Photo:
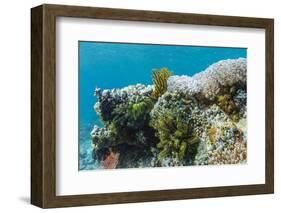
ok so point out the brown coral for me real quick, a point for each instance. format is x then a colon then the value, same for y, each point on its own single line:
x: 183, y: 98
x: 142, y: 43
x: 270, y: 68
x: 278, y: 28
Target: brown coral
x: 212, y: 132
x: 234, y: 154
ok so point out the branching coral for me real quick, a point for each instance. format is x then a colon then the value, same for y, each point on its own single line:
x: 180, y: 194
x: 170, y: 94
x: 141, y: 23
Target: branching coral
x: 160, y: 78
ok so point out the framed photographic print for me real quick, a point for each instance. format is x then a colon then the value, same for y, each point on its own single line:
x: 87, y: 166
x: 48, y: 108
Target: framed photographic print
x: 136, y: 106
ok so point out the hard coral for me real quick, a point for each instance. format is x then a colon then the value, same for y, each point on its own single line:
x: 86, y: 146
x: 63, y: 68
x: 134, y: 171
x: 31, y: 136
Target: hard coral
x: 125, y: 114
x: 209, y: 82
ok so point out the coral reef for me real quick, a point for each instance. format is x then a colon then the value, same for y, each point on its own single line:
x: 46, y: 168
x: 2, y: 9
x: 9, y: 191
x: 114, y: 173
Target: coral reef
x: 125, y: 115
x: 219, y: 135
x: 178, y: 121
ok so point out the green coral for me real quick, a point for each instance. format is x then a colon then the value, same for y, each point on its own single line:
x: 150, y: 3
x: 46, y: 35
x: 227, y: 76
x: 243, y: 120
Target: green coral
x: 170, y: 119
x: 160, y: 78
x: 134, y: 113
x: 139, y: 109
x: 175, y: 135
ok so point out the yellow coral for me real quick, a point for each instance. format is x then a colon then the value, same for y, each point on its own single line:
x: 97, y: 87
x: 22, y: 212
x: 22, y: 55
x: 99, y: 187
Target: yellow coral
x: 212, y: 132
x: 160, y: 78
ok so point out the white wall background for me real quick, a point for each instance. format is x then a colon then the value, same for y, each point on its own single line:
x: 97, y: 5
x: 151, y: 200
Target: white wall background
x: 15, y: 105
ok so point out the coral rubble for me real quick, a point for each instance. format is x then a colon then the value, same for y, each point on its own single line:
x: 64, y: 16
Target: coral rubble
x: 178, y: 121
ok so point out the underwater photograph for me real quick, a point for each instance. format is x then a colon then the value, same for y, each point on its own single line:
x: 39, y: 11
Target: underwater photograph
x: 155, y: 105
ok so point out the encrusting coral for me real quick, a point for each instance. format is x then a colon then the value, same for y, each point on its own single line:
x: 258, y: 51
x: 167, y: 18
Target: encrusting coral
x: 177, y: 121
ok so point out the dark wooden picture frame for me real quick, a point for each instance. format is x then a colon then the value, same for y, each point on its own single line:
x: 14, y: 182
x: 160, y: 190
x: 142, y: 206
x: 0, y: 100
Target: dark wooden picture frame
x: 43, y: 105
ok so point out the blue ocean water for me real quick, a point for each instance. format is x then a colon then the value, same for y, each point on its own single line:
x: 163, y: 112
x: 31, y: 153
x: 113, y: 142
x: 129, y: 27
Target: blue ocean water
x: 116, y: 65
